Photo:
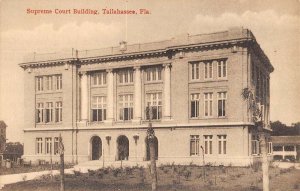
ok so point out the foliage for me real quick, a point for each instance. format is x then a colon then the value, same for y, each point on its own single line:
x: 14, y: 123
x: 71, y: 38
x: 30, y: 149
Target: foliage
x: 247, y: 94
x: 280, y: 129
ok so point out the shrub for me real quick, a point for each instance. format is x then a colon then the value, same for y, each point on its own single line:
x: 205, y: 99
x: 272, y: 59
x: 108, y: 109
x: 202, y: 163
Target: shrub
x: 128, y: 171
x: 91, y: 172
x: 116, y: 172
x: 77, y: 173
x: 187, y: 174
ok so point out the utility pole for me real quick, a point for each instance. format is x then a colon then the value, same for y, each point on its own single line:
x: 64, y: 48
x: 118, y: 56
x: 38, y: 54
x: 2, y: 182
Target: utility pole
x: 62, y: 166
x: 151, y: 139
x: 203, y: 163
x: 265, y: 162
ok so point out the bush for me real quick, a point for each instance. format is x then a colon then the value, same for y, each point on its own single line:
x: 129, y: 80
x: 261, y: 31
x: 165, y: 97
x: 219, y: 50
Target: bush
x: 116, y: 172
x: 91, y: 172
x: 128, y: 171
x: 77, y: 173
x: 187, y: 174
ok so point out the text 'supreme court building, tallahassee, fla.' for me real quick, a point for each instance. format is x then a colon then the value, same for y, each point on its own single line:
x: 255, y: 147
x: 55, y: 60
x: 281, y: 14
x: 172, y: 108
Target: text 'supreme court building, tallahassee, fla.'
x: 97, y: 100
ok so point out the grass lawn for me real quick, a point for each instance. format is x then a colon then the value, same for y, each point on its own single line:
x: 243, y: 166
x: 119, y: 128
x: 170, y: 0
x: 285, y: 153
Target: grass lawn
x: 171, y: 177
x: 16, y: 169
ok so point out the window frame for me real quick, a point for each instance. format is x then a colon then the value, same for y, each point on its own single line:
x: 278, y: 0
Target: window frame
x: 208, y: 144
x: 222, y: 144
x: 99, y: 106
x: 125, y: 76
x: 38, y: 145
x: 208, y: 69
x: 222, y: 96
x: 125, y: 103
x: 196, y: 140
x: 209, y: 102
x: 195, y: 97
x: 222, y: 63
x: 99, y: 79
x: 154, y: 104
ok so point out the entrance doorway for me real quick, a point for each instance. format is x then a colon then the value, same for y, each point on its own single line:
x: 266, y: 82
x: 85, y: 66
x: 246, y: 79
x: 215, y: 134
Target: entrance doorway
x: 96, y: 148
x: 123, y: 148
x: 148, y: 148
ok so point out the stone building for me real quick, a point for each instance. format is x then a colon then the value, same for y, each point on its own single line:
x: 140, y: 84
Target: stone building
x: 96, y: 100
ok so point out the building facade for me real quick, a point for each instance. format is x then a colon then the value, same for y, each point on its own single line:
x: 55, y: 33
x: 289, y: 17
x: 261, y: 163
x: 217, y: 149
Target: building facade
x: 97, y: 100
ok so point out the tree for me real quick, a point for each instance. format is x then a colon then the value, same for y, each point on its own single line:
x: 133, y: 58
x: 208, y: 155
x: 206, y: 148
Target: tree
x: 248, y: 95
x: 151, y: 139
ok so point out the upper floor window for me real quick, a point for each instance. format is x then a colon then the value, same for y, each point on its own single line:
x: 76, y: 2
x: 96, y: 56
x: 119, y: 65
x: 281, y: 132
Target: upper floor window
x: 49, y: 83
x: 222, y: 69
x: 208, y: 70
x: 222, y: 144
x: 49, y: 112
x: 39, y: 83
x: 126, y: 107
x: 255, y: 145
x: 40, y: 113
x: 99, y: 79
x: 195, y: 99
x: 58, y: 82
x: 98, y: 108
x: 270, y: 148
x: 154, y: 100
x: 194, y: 145
x: 208, y: 104
x: 39, y: 145
x: 58, y: 111
x: 153, y: 74
x: 208, y: 144
x: 195, y: 70
x: 126, y: 76
x: 222, y: 96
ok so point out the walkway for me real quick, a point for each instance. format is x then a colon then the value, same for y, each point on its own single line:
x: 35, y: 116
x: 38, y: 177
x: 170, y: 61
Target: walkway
x: 14, y: 178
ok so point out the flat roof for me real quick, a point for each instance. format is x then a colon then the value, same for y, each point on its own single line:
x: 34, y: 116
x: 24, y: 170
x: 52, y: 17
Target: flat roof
x: 285, y: 140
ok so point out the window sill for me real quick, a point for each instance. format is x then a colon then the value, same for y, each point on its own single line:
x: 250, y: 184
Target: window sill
x: 126, y: 84
x: 49, y: 92
x: 99, y: 86
x: 58, y: 123
x: 154, y: 82
x: 207, y: 118
x: 208, y: 80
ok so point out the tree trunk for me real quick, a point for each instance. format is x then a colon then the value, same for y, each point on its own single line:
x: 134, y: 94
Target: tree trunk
x: 62, y: 173
x: 153, y: 164
x: 265, y: 163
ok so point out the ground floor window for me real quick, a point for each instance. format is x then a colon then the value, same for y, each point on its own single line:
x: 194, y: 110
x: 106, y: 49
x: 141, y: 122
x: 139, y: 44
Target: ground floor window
x: 255, y: 145
x: 270, y: 149
x: 39, y: 145
x: 208, y: 144
x: 194, y: 145
x: 56, y: 143
x: 48, y: 145
x: 222, y: 144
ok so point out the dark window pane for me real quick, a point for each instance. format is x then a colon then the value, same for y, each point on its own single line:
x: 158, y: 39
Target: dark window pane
x: 193, y: 109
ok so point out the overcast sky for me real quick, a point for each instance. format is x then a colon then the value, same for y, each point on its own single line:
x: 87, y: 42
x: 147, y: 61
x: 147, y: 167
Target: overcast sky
x: 275, y: 25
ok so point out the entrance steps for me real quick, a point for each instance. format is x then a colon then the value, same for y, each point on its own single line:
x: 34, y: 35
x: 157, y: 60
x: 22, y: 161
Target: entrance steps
x: 97, y: 164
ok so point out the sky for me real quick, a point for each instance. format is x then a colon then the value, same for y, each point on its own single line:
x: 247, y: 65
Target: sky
x: 274, y: 23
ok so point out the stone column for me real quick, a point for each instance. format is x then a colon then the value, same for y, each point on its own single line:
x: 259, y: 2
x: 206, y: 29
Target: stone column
x: 137, y: 95
x: 110, y: 96
x: 167, y: 92
x: 84, y: 97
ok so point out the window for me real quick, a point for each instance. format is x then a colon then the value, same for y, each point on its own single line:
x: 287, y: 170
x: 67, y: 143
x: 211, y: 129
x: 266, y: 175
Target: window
x: 155, y: 103
x: 153, y: 74
x: 208, y: 70
x: 39, y: 83
x: 222, y: 104
x: 49, y: 112
x: 40, y: 113
x: 195, y: 99
x: 39, y: 145
x: 58, y: 111
x: 278, y: 148
x: 222, y: 144
x: 99, y: 79
x: 195, y: 70
x: 49, y: 83
x: 208, y: 102
x: 255, y: 145
x: 98, y: 108
x: 58, y: 82
x: 126, y: 76
x: 126, y: 107
x: 270, y: 145
x: 222, y: 69
x: 194, y: 145
x: 208, y: 144
x: 48, y: 145
x: 56, y: 142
